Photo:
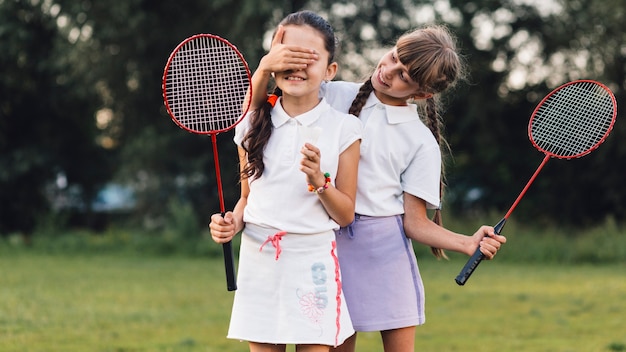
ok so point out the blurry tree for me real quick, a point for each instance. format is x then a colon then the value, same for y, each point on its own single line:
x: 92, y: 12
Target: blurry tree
x: 46, y: 116
x: 81, y: 97
x: 516, y: 51
x: 519, y: 52
x: 126, y: 48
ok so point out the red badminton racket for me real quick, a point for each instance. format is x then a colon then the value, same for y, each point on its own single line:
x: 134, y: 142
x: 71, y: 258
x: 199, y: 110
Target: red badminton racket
x: 570, y: 122
x: 204, y: 87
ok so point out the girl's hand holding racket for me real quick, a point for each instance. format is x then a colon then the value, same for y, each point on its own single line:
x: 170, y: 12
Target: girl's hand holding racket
x: 488, y: 241
x: 223, y: 228
x: 570, y: 122
x: 205, y: 82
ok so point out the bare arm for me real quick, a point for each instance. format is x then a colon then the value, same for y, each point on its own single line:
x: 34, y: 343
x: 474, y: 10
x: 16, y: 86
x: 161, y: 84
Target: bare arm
x: 280, y: 58
x: 339, y: 201
x: 420, y: 228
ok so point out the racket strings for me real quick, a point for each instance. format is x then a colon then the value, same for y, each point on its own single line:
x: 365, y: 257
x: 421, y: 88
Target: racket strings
x: 574, y: 120
x: 206, y: 85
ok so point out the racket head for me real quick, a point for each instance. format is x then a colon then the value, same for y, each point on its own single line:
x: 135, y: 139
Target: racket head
x: 573, y: 119
x: 204, y: 84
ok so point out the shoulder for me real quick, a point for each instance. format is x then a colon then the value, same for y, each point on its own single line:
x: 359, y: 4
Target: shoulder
x: 335, y: 115
x: 424, y: 135
x: 340, y: 86
x: 340, y: 94
x: 345, y: 124
x: 242, y: 128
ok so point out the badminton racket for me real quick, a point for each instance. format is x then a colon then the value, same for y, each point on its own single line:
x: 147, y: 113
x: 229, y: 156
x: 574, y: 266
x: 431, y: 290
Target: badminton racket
x: 204, y: 87
x: 570, y: 122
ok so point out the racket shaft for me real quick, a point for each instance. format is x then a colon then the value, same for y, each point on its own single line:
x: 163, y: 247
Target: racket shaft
x: 475, y: 259
x: 227, y: 248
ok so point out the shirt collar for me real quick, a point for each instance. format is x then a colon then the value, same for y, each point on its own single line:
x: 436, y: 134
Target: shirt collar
x: 395, y: 114
x: 280, y: 117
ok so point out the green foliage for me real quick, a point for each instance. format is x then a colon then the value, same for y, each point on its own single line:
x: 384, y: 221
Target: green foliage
x: 81, y: 97
x: 547, y: 243
x: 182, y: 236
x: 46, y: 116
x: 179, y: 238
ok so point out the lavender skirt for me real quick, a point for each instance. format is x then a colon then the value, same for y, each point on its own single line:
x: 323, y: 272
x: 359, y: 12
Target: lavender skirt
x: 381, y: 280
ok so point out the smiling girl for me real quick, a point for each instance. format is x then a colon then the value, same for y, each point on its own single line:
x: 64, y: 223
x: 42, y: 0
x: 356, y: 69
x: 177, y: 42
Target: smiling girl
x: 298, y: 160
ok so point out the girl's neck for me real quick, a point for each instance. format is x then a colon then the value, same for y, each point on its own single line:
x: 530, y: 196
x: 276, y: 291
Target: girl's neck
x: 295, y: 106
x: 389, y: 100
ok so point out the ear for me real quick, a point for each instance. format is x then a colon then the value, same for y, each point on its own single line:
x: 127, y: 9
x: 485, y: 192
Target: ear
x: 422, y: 95
x: 331, y: 71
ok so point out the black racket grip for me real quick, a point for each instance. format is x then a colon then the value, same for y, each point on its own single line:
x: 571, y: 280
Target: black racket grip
x: 229, y: 264
x: 469, y: 267
x: 475, y: 259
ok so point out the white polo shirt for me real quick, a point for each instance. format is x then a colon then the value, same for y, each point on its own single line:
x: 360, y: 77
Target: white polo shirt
x: 398, y: 153
x: 280, y: 197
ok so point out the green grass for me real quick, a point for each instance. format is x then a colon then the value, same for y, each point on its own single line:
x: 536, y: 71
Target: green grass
x: 120, y: 303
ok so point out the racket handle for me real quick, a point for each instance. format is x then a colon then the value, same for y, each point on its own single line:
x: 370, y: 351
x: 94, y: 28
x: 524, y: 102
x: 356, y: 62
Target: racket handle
x: 229, y: 264
x: 469, y: 267
x: 475, y: 259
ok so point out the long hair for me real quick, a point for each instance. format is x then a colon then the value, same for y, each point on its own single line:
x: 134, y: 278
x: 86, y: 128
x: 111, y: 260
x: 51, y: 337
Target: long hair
x: 258, y: 136
x: 430, y: 54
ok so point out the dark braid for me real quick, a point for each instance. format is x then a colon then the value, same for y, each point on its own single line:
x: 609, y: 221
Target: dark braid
x: 257, y: 138
x: 434, y: 123
x: 361, y: 98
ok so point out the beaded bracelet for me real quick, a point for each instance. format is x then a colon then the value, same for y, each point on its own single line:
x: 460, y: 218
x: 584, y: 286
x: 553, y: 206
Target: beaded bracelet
x: 321, y: 189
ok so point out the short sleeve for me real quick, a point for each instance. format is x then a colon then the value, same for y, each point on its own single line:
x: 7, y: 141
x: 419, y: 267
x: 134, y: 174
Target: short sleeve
x: 352, y: 131
x: 422, y: 177
x: 242, y: 129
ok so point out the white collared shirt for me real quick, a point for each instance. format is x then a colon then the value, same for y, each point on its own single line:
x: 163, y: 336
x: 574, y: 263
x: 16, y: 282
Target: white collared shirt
x: 280, y: 197
x: 398, y: 153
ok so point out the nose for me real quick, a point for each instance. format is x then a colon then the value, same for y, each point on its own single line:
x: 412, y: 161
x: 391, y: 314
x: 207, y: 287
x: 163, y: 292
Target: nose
x: 391, y: 69
x: 387, y: 72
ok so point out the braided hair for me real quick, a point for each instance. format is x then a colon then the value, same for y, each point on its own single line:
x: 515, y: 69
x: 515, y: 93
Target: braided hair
x: 431, y: 57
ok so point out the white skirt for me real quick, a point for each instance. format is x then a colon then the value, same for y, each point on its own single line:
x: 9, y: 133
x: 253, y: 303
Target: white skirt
x: 289, y: 289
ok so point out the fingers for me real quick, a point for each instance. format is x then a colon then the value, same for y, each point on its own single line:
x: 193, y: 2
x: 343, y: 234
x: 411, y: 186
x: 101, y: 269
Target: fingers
x: 310, y: 158
x: 222, y: 228
x: 491, y: 242
x: 278, y: 38
x: 310, y: 151
x: 288, y: 57
x: 311, y: 164
x: 489, y: 248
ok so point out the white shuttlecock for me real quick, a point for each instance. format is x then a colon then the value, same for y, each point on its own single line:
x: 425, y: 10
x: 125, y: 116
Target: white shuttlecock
x: 309, y: 134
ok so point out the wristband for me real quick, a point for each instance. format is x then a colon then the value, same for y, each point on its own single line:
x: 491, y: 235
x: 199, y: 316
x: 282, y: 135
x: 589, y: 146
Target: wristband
x: 321, y: 189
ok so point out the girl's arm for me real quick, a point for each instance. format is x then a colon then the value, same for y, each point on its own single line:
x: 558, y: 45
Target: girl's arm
x: 338, y: 200
x: 420, y: 228
x: 223, y: 229
x: 280, y: 58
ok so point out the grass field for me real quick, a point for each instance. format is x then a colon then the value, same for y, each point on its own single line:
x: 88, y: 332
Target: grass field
x: 140, y: 303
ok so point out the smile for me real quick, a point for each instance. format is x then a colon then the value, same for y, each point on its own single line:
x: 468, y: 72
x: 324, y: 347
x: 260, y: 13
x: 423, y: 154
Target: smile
x: 380, y: 78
